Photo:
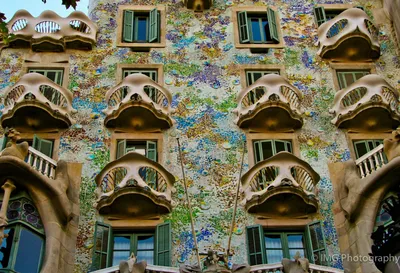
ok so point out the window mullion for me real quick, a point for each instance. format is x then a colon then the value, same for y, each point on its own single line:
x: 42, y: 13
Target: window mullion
x: 263, y: 38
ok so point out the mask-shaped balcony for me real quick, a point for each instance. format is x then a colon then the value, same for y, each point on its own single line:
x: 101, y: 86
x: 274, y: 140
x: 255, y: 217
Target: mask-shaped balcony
x: 270, y: 104
x: 369, y: 104
x: 134, y: 186
x: 50, y: 32
x: 198, y: 5
x: 37, y: 104
x: 138, y: 104
x: 350, y: 36
x: 281, y: 186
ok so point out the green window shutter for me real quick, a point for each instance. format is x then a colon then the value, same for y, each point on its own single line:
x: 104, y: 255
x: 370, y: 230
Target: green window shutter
x: 255, y: 245
x: 163, y: 247
x: 360, y: 7
x: 121, y: 148
x: 319, y: 14
x: 102, y: 246
x: 43, y: 145
x: 127, y: 30
x: 153, y: 26
x: 317, y: 243
x: 4, y: 143
x: 273, y: 28
x: 151, y: 150
x: 244, y: 33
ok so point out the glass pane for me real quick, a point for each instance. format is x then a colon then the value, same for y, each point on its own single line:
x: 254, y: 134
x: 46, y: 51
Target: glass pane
x: 265, y: 31
x: 255, y: 30
x: 5, y: 249
x: 279, y: 146
x: 273, y: 241
x: 296, y: 241
x: 122, y: 243
x: 51, y: 75
x: 257, y: 151
x: 360, y: 74
x: 317, y: 240
x: 349, y: 79
x: 141, y: 29
x: 267, y: 150
x: 119, y: 256
x: 257, y: 75
x: 145, y: 242
x: 29, y: 252
x: 274, y: 256
x: 361, y: 149
x: 147, y: 255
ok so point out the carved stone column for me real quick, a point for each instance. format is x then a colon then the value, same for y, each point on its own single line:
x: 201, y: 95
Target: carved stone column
x: 8, y: 187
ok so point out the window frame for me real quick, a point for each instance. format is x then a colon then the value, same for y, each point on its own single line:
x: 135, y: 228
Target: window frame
x: 252, y: 137
x: 353, y: 137
x: 331, y: 8
x: 349, y: 66
x: 157, y: 67
x: 285, y: 243
x: 256, y: 10
x: 156, y: 137
x: 141, y: 9
x: 259, y: 67
x: 49, y: 66
x: 273, y: 146
x: 55, y: 137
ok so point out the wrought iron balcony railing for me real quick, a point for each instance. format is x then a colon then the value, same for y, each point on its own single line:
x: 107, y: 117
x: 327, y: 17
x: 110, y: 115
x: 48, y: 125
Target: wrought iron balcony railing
x: 349, y: 36
x: 282, y: 185
x: 36, y: 91
x: 50, y: 32
x: 138, y: 103
x: 134, y: 174
x: 368, y: 104
x: 271, y: 103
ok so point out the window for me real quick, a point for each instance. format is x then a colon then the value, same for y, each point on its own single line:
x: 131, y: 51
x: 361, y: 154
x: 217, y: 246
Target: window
x: 362, y: 147
x: 23, y: 249
x: 383, y: 218
x: 347, y: 77
x: 146, y: 148
x: 258, y: 28
x: 270, y: 246
x: 264, y: 149
x: 253, y: 75
x: 141, y: 26
x: 151, y: 73
x: 112, y: 246
x: 42, y: 145
x: 56, y: 75
x: 323, y: 14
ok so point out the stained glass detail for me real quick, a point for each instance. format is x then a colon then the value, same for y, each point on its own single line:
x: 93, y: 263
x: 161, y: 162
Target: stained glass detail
x: 24, y: 210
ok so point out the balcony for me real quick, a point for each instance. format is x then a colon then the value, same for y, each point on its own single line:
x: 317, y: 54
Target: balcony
x: 134, y: 186
x: 369, y: 104
x: 138, y: 104
x: 198, y: 5
x: 350, y: 36
x: 281, y: 186
x: 262, y: 268
x: 50, y: 32
x: 37, y: 103
x: 270, y: 104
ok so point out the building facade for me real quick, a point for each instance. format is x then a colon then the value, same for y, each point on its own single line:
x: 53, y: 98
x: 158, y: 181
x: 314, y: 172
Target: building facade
x: 92, y: 107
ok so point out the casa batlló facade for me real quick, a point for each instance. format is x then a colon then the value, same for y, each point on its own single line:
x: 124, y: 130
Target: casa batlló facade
x: 306, y: 92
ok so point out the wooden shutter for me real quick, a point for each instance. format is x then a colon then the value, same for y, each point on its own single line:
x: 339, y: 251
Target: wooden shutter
x: 4, y: 143
x: 127, y: 31
x: 163, y: 247
x: 255, y: 245
x: 273, y: 28
x: 153, y: 26
x: 151, y: 150
x: 244, y: 34
x: 121, y: 148
x: 319, y: 14
x: 102, y: 246
x: 43, y: 145
x: 317, y: 243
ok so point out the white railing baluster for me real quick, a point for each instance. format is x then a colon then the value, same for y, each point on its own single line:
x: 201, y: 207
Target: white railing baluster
x: 41, y: 162
x: 371, y: 161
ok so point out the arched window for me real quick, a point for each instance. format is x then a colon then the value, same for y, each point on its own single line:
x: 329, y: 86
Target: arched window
x: 23, y: 249
x: 383, y: 218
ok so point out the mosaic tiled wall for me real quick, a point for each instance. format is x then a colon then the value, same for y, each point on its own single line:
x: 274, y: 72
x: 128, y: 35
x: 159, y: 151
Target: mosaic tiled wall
x: 201, y: 70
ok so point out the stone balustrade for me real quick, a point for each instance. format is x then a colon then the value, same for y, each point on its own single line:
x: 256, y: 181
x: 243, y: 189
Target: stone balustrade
x: 41, y: 163
x: 371, y: 161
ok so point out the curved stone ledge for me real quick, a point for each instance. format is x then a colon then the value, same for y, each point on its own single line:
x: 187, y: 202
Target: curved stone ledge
x: 369, y: 104
x: 50, y: 32
x: 270, y: 104
x: 281, y: 186
x: 138, y: 103
x: 350, y: 36
x: 38, y: 103
x: 134, y: 177
x: 198, y: 5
